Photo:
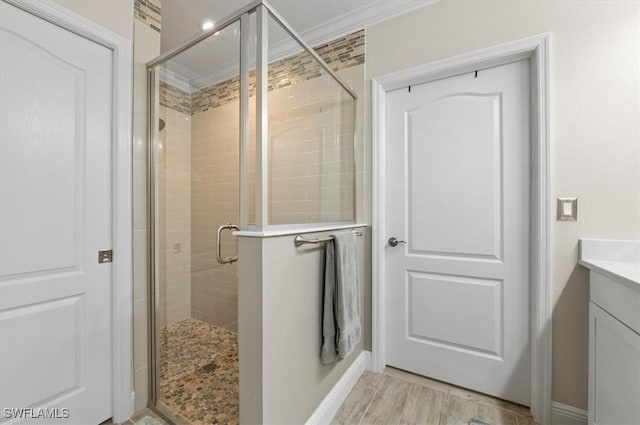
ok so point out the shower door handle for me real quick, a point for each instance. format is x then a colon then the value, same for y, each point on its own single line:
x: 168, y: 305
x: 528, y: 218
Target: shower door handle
x: 225, y: 260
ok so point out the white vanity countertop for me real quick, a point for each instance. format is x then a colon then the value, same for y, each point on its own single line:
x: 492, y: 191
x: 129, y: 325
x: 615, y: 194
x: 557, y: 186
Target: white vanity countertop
x: 616, y: 259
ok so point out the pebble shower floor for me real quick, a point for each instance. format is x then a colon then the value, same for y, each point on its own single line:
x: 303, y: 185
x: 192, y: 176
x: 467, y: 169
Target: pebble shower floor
x: 199, y: 372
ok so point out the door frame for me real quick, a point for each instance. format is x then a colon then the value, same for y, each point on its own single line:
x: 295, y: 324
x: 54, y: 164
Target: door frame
x: 121, y: 295
x: 536, y: 49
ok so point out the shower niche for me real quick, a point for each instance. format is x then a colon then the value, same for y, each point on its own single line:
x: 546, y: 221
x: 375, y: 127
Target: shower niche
x: 249, y: 130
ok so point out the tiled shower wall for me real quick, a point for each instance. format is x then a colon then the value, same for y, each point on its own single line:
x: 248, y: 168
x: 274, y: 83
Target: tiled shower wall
x: 311, y: 169
x: 174, y: 218
x: 310, y: 172
x: 214, y: 202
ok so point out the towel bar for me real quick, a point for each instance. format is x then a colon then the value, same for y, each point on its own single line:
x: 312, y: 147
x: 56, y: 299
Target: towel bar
x: 301, y: 240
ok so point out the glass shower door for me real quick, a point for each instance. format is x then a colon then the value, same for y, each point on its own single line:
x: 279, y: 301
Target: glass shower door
x: 194, y: 209
x: 295, y: 165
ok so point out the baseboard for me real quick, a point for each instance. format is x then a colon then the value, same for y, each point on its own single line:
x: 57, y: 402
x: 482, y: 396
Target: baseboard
x: 563, y: 414
x: 329, y: 406
x: 367, y: 360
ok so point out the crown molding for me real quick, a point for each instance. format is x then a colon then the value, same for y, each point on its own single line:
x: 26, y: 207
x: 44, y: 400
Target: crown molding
x: 281, y: 50
x: 176, y: 80
x: 361, y: 18
x: 356, y: 20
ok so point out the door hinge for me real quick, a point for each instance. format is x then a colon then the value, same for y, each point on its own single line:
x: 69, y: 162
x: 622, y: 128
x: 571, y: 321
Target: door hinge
x: 105, y: 256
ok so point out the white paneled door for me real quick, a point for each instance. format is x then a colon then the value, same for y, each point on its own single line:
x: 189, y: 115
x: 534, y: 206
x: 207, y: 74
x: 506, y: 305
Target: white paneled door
x: 55, y: 215
x: 457, y: 279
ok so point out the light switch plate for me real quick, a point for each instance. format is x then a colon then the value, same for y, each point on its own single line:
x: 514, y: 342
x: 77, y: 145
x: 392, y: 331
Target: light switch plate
x: 568, y: 209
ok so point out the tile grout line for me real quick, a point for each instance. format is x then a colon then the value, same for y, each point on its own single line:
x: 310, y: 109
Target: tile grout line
x: 516, y: 416
x: 406, y: 402
x: 373, y: 396
x: 444, y: 405
x: 476, y: 399
x: 447, y: 394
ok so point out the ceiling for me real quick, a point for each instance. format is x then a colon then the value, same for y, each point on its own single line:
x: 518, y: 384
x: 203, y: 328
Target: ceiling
x: 216, y: 58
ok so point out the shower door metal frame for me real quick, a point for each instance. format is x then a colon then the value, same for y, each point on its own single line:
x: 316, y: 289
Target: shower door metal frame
x: 263, y: 11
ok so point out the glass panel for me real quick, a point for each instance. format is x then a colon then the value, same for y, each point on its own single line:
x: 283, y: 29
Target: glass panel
x: 197, y: 183
x: 251, y: 190
x: 311, y: 137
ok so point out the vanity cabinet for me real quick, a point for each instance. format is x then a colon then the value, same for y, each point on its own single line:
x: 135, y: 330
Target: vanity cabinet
x: 614, y: 352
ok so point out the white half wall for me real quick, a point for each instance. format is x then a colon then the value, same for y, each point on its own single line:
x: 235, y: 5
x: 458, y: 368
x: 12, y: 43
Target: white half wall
x: 282, y: 380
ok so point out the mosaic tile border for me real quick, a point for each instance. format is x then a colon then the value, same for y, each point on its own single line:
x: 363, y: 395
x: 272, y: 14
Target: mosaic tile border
x: 173, y: 98
x: 148, y: 12
x: 342, y: 53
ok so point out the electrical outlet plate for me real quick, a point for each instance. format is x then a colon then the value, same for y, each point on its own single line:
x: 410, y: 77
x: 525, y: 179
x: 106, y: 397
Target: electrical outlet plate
x: 568, y: 209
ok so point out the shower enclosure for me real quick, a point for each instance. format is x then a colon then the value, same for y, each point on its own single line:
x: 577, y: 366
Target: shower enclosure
x: 250, y: 130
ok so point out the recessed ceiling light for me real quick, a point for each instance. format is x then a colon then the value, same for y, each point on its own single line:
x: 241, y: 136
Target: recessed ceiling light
x: 207, y: 25
x: 216, y: 33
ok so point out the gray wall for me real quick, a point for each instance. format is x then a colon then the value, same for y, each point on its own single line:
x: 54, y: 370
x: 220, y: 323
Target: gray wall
x: 280, y: 326
x: 595, y: 154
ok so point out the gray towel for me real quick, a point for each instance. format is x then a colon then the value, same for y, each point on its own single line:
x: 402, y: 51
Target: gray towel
x: 341, y: 312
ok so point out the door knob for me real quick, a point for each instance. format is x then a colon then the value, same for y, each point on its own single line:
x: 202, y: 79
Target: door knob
x: 394, y: 242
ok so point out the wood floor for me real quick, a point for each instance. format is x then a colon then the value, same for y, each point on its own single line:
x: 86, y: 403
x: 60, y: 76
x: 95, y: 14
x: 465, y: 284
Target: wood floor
x: 398, y: 397
x: 144, y: 417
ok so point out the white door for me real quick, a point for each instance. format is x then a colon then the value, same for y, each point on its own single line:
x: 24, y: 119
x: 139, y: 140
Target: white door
x: 55, y: 215
x: 457, y: 292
